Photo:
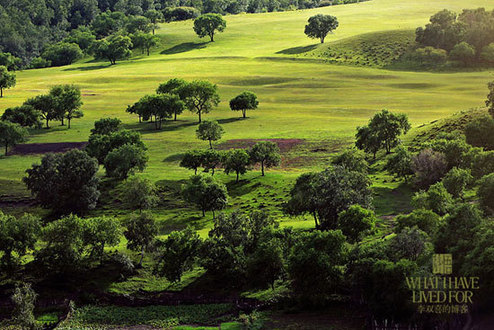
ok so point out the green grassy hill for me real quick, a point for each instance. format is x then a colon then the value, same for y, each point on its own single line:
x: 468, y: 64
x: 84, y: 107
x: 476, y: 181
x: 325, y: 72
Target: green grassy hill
x: 300, y: 98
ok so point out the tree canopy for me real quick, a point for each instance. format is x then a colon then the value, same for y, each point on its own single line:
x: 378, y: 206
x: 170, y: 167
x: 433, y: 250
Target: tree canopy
x: 320, y: 25
x: 208, y: 24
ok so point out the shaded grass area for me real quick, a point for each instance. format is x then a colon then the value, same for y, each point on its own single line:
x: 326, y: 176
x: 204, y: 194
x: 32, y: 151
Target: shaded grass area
x: 376, y: 49
x: 155, y: 316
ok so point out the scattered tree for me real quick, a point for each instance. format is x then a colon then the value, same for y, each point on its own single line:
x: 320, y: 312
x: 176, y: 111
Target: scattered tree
x: 206, y: 193
x: 243, y: 102
x: 320, y: 25
x: 139, y: 194
x: 236, y: 161
x: 140, y: 233
x: 17, y: 235
x: 100, y: 232
x: 125, y: 160
x: 456, y: 181
x: 192, y: 160
x: 106, y: 126
x: 400, y: 163
x: 429, y: 167
x: 154, y: 17
x: 209, y: 130
x: 24, y: 299
x: 199, y: 96
x: 45, y: 104
x: 211, y: 159
x: 208, y: 24
x: 480, y: 132
x: 177, y: 254
x: 7, y: 79
x: 11, y: 134
x: 25, y: 115
x: 266, y: 153
x: 485, y: 193
x: 352, y: 160
x: 65, y: 182
x: 67, y: 101
x: 424, y: 219
x: 356, y: 222
x: 62, y: 53
x: 436, y: 199
x: 115, y: 47
x: 463, y: 52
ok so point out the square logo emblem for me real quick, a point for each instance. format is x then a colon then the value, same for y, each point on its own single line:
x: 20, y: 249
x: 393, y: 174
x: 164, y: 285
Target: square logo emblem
x: 442, y: 264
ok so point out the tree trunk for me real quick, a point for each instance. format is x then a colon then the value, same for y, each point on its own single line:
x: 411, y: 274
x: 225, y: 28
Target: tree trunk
x: 62, y: 123
x: 148, y: 51
x: 244, y: 113
x: 68, y: 119
x: 212, y: 171
x: 195, y: 171
x: 315, y: 218
x: 1, y: 92
x: 140, y: 119
x: 175, y: 118
x: 153, y: 31
x: 142, y: 256
x: 262, y: 168
x: 237, y: 177
x: 322, y: 40
x: 210, y: 144
x: 212, y: 37
x: 47, y: 120
x: 199, y: 116
x: 203, y: 213
x: 6, y: 148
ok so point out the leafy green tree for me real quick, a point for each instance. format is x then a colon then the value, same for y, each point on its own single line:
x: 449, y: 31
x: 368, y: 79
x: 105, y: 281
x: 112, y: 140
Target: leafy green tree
x: 62, y: 53
x: 154, y: 17
x: 430, y: 56
x: 411, y: 244
x: 125, y: 160
x: 139, y: 194
x: 266, y: 153
x: 177, y: 253
x: 356, y: 222
x: 180, y: 13
x: 98, y: 233
x: 200, y: 96
x: 488, y: 53
x: 208, y: 24
x: 480, y: 132
x: 144, y: 41
x: 456, y: 181
x: 192, y: 160
x: 266, y: 264
x: 64, y: 247
x: 140, y: 233
x: 368, y: 140
x: 100, y: 145
x: 352, y: 160
x: 25, y: 115
x: 456, y: 150
x: 171, y: 86
x: 320, y: 25
x: 11, y: 134
x: 67, y: 101
x: 463, y: 52
x: 10, y: 61
x: 138, y: 24
x: 424, y: 219
x: 436, y: 199
x: 160, y: 106
x: 65, y: 182
x: 388, y: 126
x: 45, y: 104
x: 329, y: 192
x: 205, y: 192
x: 211, y: 159
x: 24, y: 299
x: 83, y: 37
x: 7, y: 79
x: 400, y: 163
x: 314, y: 264
x: 209, y: 130
x: 490, y: 98
x: 17, y: 235
x: 113, y: 48
x: 237, y: 161
x: 483, y: 164
x: 107, y: 23
x: 243, y: 102
x: 485, y: 193
x: 429, y: 167
x: 106, y: 126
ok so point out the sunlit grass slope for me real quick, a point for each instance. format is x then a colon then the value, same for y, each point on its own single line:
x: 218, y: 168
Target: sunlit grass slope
x: 300, y: 98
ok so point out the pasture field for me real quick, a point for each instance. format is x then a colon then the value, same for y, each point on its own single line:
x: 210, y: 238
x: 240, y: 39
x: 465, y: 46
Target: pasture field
x: 301, y: 97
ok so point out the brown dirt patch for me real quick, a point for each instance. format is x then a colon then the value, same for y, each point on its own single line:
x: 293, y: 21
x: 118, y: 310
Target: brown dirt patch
x: 44, y: 148
x: 285, y: 145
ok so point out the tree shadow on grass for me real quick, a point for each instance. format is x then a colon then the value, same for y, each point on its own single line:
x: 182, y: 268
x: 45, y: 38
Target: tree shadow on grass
x: 88, y: 68
x: 297, y: 50
x: 147, y: 127
x: 230, y: 120
x: 184, y: 47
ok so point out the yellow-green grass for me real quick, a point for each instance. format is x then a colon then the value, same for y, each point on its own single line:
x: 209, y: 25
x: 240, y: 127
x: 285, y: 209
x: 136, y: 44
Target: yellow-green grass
x: 299, y: 97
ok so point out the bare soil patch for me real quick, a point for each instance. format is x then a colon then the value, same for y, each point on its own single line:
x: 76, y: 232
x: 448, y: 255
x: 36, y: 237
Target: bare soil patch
x: 44, y: 148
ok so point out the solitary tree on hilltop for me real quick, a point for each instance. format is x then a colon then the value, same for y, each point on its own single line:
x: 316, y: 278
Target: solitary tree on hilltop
x: 243, y: 102
x: 209, y: 131
x: 7, y: 79
x: 208, y: 24
x: 320, y: 25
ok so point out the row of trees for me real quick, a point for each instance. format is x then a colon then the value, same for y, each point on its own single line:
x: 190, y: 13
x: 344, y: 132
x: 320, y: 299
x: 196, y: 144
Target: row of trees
x: 467, y: 37
x: 264, y: 153
x: 175, y: 95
